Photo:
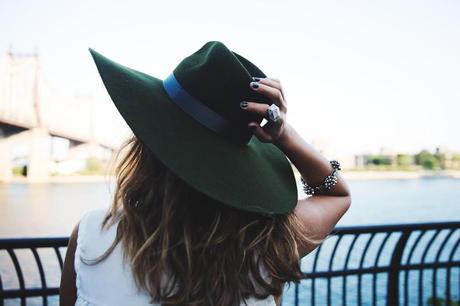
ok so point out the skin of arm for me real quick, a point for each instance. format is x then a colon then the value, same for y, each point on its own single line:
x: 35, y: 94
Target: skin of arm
x: 320, y: 212
x: 67, y: 288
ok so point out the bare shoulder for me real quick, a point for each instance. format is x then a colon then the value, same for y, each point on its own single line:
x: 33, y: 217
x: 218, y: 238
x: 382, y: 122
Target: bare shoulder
x: 68, y: 289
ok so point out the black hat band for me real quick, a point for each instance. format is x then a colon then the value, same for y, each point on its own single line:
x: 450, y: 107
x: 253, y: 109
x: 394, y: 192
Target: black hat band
x: 199, y: 111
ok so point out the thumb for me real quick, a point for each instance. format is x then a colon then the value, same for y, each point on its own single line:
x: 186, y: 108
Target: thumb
x: 259, y: 132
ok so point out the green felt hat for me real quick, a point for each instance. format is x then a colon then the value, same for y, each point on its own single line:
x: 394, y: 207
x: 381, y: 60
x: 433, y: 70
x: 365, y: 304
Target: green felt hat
x: 193, y: 123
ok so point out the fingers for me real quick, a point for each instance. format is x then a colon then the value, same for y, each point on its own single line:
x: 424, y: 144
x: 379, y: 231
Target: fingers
x: 261, y: 110
x: 274, y: 94
x: 256, y: 108
x: 271, y: 88
x: 271, y: 82
x: 260, y: 133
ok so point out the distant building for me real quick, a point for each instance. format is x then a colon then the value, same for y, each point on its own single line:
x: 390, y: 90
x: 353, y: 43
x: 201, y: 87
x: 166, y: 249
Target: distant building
x: 447, y: 158
x: 360, y: 160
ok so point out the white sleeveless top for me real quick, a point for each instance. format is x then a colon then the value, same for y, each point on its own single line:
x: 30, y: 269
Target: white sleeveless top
x: 110, y: 282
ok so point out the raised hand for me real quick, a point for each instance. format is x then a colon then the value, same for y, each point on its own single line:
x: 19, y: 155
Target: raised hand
x: 271, y: 88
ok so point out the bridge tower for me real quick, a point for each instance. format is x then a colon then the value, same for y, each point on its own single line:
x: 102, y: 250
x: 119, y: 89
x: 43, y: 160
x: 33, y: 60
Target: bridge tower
x: 20, y: 124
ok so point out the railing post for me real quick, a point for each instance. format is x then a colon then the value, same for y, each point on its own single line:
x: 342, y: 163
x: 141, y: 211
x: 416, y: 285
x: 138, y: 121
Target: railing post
x: 395, y: 265
x: 296, y: 292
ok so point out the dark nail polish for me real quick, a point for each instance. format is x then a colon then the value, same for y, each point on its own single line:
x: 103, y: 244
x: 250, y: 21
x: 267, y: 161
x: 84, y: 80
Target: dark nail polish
x: 256, y: 79
x: 254, y: 85
x: 243, y: 104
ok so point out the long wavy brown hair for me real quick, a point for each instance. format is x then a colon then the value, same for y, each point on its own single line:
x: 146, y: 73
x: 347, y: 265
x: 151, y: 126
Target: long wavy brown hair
x: 186, y: 248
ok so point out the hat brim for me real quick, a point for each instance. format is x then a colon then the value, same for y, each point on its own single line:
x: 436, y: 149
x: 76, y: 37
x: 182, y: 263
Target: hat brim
x: 257, y: 177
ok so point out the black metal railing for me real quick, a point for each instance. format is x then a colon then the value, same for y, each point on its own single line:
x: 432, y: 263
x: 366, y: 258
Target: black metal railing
x: 22, y: 293
x: 407, y: 264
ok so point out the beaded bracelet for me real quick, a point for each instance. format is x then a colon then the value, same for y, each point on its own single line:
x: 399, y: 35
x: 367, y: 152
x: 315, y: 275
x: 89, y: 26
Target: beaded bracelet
x: 329, y: 182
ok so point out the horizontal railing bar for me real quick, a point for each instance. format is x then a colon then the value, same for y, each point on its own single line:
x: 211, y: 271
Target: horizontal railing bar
x: 28, y: 243
x: 431, y: 265
x: 44, y: 242
x: 383, y: 269
x: 31, y: 292
x: 362, y: 229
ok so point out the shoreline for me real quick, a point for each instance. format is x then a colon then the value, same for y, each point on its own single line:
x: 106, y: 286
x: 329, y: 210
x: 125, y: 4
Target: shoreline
x: 395, y: 175
x: 346, y: 174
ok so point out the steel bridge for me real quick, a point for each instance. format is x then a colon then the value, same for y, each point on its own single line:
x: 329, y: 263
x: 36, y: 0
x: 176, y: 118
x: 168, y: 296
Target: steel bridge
x: 32, y: 113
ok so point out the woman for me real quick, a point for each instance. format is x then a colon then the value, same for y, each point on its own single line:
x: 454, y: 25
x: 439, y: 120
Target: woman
x: 205, y: 211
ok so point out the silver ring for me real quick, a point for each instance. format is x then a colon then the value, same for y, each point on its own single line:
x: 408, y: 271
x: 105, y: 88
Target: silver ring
x: 273, y: 113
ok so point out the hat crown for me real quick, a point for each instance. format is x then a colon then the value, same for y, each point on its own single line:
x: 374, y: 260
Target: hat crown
x: 219, y: 78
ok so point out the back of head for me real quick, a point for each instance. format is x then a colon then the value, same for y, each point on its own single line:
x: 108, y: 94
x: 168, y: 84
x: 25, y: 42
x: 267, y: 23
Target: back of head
x: 211, y: 253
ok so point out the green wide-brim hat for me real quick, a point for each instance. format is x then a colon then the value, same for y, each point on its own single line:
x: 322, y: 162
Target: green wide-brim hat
x: 192, y: 122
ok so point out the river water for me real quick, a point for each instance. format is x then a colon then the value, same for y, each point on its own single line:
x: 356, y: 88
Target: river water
x: 52, y: 209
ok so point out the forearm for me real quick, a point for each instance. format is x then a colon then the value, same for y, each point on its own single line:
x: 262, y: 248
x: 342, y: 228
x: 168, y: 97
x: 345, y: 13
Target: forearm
x: 312, y: 165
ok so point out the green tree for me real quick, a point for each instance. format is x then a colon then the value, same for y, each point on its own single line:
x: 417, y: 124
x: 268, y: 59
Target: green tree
x: 378, y: 160
x: 427, y: 160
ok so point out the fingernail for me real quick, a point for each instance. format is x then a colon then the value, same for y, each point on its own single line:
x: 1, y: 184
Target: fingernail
x: 243, y: 104
x: 254, y: 85
x: 255, y: 79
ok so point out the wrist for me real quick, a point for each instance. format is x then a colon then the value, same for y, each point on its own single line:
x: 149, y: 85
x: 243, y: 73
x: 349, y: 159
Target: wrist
x: 285, y: 138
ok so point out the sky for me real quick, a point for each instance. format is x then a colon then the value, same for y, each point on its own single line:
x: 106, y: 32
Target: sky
x: 357, y: 75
